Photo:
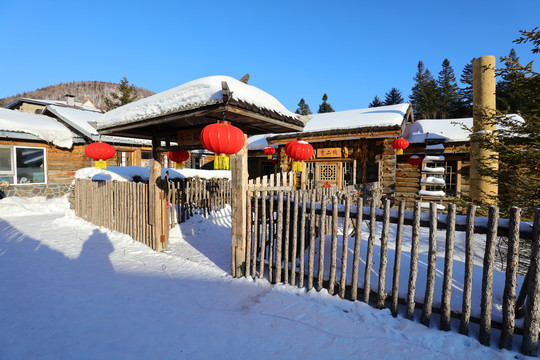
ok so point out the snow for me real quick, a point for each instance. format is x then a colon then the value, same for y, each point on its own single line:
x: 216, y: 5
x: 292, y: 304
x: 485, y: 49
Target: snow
x: 41, y: 126
x: 435, y: 147
x: 432, y: 180
x: 257, y: 142
x: 127, y: 173
x: 74, y: 290
x: 78, y: 118
x: 382, y: 116
x: 431, y: 193
x: 196, y: 93
x: 433, y: 158
x: 433, y: 170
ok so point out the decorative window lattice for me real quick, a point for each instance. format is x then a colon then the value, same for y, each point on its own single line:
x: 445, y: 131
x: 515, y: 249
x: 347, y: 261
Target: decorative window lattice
x: 328, y: 172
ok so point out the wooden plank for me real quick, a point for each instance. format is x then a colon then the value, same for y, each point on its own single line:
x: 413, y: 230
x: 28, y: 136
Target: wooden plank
x: 311, y: 258
x: 413, y: 272
x: 397, y: 259
x: 322, y: 239
x: 248, y: 234
x: 256, y: 241
x: 381, y: 294
x: 487, y: 277
x: 369, y: 255
x: 333, y: 251
x: 263, y: 229
x: 271, y: 234
x: 531, y: 322
x: 344, y: 249
x: 356, y: 254
x: 510, y: 286
x: 432, y: 267
x: 294, y: 238
x: 287, y: 234
x: 279, y: 237
x: 448, y: 268
x: 239, y: 180
x: 468, y: 276
x: 302, y: 239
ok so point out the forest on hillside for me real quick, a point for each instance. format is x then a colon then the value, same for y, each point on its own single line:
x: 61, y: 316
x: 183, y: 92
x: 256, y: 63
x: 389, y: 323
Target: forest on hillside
x: 95, y: 91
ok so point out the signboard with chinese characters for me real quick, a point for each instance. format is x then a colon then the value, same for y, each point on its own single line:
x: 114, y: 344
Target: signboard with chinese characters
x: 189, y: 137
x: 329, y: 153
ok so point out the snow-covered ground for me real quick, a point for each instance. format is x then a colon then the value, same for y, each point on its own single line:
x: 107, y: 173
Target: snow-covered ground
x: 72, y: 290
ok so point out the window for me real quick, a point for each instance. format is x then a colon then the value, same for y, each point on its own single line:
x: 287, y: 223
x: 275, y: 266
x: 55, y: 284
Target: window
x: 22, y: 165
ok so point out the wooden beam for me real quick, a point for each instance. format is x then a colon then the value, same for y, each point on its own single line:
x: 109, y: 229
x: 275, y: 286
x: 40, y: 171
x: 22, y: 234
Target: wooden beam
x: 254, y: 115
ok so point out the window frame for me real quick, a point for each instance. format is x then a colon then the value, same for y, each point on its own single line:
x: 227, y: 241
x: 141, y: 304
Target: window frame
x: 14, y: 167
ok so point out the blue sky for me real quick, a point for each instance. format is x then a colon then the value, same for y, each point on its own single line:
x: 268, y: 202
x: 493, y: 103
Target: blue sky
x: 351, y: 50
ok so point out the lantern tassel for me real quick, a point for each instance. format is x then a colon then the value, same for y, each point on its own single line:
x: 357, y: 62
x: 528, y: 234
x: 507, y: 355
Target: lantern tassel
x: 399, y: 152
x: 296, y: 166
x: 101, y: 164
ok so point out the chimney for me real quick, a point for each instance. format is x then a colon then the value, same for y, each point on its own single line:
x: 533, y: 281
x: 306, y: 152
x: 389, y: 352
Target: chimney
x: 70, y: 100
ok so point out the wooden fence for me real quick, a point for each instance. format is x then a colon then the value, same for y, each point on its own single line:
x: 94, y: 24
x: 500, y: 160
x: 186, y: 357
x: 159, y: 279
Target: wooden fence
x: 287, y: 241
x: 126, y: 206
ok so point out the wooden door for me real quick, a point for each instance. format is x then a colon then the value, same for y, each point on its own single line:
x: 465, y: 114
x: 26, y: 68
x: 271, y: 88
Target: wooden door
x: 328, y: 173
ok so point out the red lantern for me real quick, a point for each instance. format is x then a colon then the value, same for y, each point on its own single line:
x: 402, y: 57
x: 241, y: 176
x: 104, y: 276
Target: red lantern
x: 100, y: 152
x: 269, y: 151
x: 298, y: 150
x: 400, y: 144
x: 415, y: 160
x: 222, y: 139
x: 178, y: 156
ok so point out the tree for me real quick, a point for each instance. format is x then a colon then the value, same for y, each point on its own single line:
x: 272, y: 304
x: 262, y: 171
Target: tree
x: 325, y: 107
x: 303, y: 108
x: 376, y: 102
x: 465, y: 93
x: 518, y: 143
x: 424, y: 93
x: 507, y: 97
x: 125, y: 95
x: 447, y: 92
x: 393, y: 97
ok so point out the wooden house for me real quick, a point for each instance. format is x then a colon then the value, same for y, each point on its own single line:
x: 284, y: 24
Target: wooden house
x: 42, y: 147
x: 351, y: 147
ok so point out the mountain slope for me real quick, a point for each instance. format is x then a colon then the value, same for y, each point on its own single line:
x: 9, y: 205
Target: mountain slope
x: 95, y: 91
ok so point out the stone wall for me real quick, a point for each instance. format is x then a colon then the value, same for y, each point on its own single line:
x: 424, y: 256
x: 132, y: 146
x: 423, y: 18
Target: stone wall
x: 47, y: 190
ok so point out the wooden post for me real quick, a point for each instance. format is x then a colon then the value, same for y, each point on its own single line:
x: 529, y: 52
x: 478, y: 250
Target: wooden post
x: 322, y: 238
x: 510, y: 286
x: 356, y: 254
x: 239, y: 182
x: 333, y: 251
x: 381, y: 294
x: 469, y: 262
x: 311, y: 258
x: 487, y: 279
x: 397, y: 259
x: 294, y: 238
x: 344, y: 248
x: 448, y: 267
x: 255, y: 229
x: 431, y: 270
x: 279, y: 237
x: 286, y: 242
x: 532, y: 311
x: 369, y: 255
x: 302, y: 248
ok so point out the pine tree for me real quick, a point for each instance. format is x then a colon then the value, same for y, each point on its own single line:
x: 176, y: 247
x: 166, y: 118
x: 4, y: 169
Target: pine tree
x: 507, y: 98
x: 393, y: 97
x: 465, y: 93
x: 518, y: 152
x: 325, y: 107
x: 424, y: 93
x: 125, y: 95
x: 376, y: 102
x: 447, y: 92
x: 303, y: 108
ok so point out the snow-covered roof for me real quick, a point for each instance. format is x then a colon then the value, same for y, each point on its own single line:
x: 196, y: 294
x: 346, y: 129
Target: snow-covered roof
x: 41, y: 126
x: 194, y: 94
x: 86, y: 105
x: 450, y: 130
x: 382, y: 116
x: 257, y: 142
x: 79, y: 119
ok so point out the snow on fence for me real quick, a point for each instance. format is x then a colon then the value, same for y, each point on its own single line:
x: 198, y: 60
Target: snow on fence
x: 297, y: 238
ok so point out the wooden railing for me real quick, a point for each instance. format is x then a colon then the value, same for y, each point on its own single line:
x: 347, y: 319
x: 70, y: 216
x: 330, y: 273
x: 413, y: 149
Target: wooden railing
x: 287, y: 241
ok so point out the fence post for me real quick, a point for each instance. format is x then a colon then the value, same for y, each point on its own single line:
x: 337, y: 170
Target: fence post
x: 432, y: 266
x: 469, y: 262
x: 448, y: 267
x: 397, y: 259
x: 357, y: 242
x: 532, y: 307
x: 345, y: 248
x: 369, y: 255
x: 509, y: 297
x: 239, y: 180
x: 381, y: 294
x: 487, y: 278
x: 312, y: 223
x: 322, y: 239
